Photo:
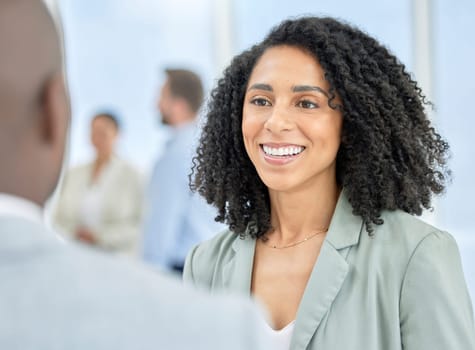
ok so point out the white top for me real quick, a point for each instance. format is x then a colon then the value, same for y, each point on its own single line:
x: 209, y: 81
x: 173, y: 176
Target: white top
x: 280, y: 339
x: 91, y: 206
x: 11, y: 205
x: 90, y: 209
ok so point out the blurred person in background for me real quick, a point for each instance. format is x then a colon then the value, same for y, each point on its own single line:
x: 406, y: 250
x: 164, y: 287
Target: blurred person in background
x: 176, y: 219
x: 57, y: 295
x: 100, y: 203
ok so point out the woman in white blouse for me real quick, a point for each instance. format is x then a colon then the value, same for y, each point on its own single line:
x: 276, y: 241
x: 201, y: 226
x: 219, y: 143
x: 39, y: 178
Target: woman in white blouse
x: 100, y: 203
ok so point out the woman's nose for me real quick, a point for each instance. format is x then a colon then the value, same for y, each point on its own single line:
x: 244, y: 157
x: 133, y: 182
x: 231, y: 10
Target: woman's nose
x: 279, y: 120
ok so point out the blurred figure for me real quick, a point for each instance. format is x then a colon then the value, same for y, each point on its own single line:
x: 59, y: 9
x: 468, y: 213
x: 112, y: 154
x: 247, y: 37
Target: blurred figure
x: 176, y: 219
x: 100, y: 203
x: 58, y: 295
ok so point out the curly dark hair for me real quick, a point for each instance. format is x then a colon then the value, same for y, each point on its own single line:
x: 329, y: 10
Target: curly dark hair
x: 390, y: 155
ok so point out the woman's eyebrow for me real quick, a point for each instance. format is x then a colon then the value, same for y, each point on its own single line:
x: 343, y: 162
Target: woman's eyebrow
x: 296, y: 88
x: 260, y: 86
x: 303, y: 88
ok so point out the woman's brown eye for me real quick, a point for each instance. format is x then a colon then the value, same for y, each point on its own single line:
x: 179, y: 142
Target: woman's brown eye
x: 307, y: 104
x: 260, y: 102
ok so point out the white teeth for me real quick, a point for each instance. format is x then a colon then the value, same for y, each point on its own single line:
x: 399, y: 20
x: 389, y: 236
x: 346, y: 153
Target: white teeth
x: 282, y: 151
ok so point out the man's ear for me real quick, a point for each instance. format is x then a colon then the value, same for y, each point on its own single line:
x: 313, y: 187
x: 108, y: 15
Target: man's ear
x: 183, y: 108
x: 55, y: 111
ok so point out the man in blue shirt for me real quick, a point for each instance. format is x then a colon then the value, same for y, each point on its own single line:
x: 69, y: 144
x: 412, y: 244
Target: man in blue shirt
x: 176, y: 219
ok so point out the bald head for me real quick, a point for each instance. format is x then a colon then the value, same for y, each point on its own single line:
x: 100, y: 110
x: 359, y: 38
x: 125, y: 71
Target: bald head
x: 34, y: 107
x: 29, y: 55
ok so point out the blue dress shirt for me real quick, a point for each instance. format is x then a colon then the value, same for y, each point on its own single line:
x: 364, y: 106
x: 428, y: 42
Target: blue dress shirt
x: 176, y: 219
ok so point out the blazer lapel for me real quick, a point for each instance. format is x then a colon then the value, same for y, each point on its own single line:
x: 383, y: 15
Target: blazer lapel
x: 237, y: 273
x: 328, y: 274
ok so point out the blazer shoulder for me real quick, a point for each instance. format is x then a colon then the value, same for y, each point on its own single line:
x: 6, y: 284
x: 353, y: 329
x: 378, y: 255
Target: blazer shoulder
x: 207, y: 257
x: 126, y: 173
x: 410, y: 229
x: 396, y: 244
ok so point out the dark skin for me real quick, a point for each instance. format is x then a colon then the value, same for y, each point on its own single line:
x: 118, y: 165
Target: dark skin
x: 34, y: 105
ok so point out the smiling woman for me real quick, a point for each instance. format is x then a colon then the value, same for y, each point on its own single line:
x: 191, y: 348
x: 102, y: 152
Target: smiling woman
x: 290, y: 132
x: 318, y: 154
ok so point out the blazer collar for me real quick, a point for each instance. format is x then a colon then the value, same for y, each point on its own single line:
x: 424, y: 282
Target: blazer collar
x: 345, y: 227
x: 326, y: 278
x: 328, y: 274
x: 237, y: 273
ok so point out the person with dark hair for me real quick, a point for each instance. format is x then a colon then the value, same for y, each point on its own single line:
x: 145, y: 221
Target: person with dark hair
x: 100, y: 203
x: 318, y: 154
x: 176, y: 219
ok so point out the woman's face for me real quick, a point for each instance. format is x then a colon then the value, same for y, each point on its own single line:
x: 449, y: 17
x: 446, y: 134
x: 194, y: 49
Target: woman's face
x: 103, y: 136
x: 290, y: 133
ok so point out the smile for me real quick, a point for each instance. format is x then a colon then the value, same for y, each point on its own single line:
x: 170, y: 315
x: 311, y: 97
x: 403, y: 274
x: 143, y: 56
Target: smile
x: 284, y: 151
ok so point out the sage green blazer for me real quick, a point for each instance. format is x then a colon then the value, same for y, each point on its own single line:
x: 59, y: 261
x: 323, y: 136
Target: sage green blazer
x: 402, y: 288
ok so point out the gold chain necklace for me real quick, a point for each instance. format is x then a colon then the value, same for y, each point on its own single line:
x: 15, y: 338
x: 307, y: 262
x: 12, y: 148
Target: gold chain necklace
x: 264, y: 240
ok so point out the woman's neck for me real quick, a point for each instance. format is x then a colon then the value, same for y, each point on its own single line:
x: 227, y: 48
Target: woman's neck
x: 297, y: 214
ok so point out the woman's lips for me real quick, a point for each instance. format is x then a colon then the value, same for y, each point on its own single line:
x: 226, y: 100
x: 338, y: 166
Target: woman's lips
x: 281, y: 154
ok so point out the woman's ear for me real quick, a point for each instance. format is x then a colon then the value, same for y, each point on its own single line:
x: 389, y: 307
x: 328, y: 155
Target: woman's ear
x: 55, y: 111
